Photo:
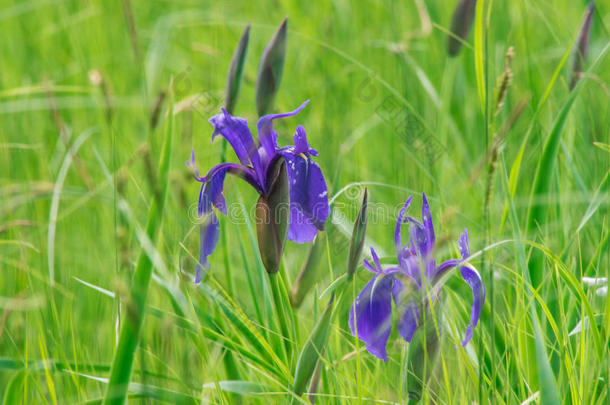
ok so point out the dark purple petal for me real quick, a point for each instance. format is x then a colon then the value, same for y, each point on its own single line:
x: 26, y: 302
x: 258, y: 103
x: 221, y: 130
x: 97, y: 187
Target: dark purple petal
x: 267, y: 137
x: 463, y: 244
x: 236, y: 131
x: 209, y: 229
x: 473, y: 279
x: 308, y: 198
x: 371, y: 315
x: 211, y: 194
x: 401, y: 251
x: 408, y: 315
x: 244, y: 173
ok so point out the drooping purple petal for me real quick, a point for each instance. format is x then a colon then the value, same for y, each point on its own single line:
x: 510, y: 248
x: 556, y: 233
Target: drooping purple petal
x: 472, y: 277
x: 401, y: 251
x: 443, y: 268
x: 236, y: 131
x: 408, y: 315
x: 209, y: 229
x: 244, y: 173
x: 211, y: 194
x: 267, y: 137
x: 371, y: 315
x: 308, y: 198
x: 463, y: 244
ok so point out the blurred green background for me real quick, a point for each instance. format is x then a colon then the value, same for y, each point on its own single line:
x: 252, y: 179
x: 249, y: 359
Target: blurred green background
x: 83, y: 106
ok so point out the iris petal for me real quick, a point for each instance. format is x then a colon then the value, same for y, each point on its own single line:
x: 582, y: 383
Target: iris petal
x: 267, y: 137
x: 472, y: 277
x: 408, y: 314
x: 371, y: 315
x: 236, y: 131
x: 308, y: 198
x: 209, y: 229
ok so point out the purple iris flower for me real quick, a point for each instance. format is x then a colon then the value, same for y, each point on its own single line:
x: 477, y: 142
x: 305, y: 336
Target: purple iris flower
x: 307, y: 188
x: 371, y: 313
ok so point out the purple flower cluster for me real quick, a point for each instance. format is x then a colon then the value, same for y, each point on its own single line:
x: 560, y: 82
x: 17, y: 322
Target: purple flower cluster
x: 371, y: 314
x: 307, y: 187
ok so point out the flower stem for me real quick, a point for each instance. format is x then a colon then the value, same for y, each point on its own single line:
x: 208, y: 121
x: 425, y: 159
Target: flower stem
x: 281, y: 314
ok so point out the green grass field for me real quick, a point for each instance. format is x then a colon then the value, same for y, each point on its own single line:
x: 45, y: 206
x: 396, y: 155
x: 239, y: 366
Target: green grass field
x: 92, y: 94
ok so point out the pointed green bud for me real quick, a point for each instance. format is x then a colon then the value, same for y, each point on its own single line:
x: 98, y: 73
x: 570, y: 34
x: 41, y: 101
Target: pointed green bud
x: 423, y: 352
x: 312, y: 350
x: 307, y: 275
x: 236, y: 71
x: 460, y: 25
x: 357, y: 241
x: 270, y: 70
x: 272, y: 216
x: 582, y: 46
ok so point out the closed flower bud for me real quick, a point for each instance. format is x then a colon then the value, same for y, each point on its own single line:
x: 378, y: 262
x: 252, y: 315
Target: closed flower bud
x: 307, y: 275
x: 460, y: 25
x: 357, y: 241
x: 236, y: 71
x: 272, y: 218
x: 270, y: 71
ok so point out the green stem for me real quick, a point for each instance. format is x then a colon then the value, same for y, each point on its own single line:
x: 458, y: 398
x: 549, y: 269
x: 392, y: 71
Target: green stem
x: 129, y: 337
x: 281, y: 314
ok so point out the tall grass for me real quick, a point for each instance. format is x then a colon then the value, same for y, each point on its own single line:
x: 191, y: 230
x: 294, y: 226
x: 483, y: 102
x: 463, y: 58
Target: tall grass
x: 82, y: 88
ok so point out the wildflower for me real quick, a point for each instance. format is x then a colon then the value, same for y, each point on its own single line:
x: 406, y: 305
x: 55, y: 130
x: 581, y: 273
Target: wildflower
x: 371, y: 313
x: 260, y: 166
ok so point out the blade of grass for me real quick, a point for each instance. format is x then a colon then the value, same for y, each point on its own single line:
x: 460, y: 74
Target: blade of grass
x: 546, y: 381
x: 122, y: 364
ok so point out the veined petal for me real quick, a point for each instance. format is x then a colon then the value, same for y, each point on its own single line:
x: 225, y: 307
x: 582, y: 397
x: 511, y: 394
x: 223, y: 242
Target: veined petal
x: 473, y: 279
x: 408, y: 315
x: 267, y: 137
x: 308, y: 198
x: 371, y: 315
x: 236, y: 131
